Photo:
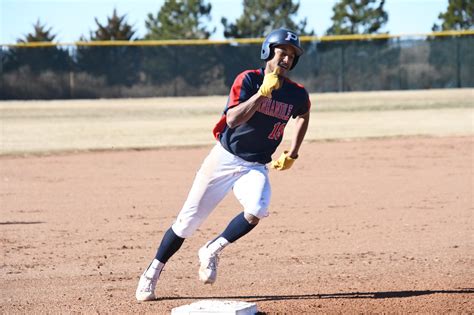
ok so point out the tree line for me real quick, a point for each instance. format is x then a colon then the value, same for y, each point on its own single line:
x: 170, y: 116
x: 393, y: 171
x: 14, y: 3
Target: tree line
x: 188, y: 19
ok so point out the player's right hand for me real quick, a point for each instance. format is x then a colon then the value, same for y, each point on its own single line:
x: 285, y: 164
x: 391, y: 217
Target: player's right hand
x: 271, y: 82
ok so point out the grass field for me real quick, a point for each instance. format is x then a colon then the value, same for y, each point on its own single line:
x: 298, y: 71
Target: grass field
x: 32, y: 127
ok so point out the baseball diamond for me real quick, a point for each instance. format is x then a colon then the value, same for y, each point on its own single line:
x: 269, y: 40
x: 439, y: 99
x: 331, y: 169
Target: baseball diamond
x: 372, y: 214
x: 376, y: 225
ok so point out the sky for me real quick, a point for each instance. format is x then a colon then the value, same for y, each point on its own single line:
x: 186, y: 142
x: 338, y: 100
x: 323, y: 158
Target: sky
x: 69, y: 19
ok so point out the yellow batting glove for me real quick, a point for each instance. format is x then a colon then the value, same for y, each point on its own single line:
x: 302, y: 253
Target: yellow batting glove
x: 270, y: 82
x: 284, y: 162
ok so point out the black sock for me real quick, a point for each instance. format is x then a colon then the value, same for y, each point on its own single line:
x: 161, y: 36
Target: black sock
x: 237, y: 228
x: 169, y: 246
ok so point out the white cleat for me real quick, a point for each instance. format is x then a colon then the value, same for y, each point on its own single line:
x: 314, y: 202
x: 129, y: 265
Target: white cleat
x: 146, y: 288
x: 208, y: 268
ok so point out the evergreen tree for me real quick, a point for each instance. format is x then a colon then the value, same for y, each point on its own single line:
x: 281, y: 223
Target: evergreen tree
x: 40, y: 34
x: 262, y: 16
x: 358, y: 17
x: 119, y: 64
x: 180, y: 20
x: 458, y: 16
x: 37, y: 59
x: 365, y: 61
x: 116, y: 29
x: 258, y: 19
x: 173, y: 65
x: 452, y: 57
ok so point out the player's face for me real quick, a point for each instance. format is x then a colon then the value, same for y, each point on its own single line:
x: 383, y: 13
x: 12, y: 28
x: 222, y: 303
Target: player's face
x: 283, y: 58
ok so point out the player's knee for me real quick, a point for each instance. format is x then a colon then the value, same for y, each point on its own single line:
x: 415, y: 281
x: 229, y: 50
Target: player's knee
x: 251, y: 219
x: 183, y: 231
x: 186, y: 227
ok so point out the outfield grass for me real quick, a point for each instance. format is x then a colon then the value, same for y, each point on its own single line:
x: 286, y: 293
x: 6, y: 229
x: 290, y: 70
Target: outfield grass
x: 75, y: 125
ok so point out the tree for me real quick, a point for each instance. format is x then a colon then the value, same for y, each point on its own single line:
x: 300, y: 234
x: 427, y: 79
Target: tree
x: 451, y: 57
x: 363, y: 63
x: 191, y: 66
x: 116, y: 29
x: 119, y: 64
x: 258, y: 19
x: 40, y: 34
x: 262, y: 16
x: 358, y: 17
x: 180, y: 20
x: 35, y: 72
x: 458, y: 16
x: 37, y: 59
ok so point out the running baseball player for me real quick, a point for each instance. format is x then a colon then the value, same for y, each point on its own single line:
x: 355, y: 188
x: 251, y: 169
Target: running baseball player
x: 260, y: 104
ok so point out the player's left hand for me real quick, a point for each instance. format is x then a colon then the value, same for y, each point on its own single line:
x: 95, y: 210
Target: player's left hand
x: 284, y: 162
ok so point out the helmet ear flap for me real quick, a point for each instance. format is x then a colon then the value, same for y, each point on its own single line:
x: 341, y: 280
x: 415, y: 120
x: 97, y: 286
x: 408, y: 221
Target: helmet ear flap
x: 267, y: 52
x: 264, y: 53
x: 295, y: 61
x: 271, y: 53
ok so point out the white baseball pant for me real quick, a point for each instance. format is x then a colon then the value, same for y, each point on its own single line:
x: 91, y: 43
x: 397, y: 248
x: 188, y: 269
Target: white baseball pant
x: 220, y: 172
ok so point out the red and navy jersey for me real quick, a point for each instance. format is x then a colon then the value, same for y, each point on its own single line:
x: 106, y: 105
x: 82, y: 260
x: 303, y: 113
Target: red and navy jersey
x: 258, y: 138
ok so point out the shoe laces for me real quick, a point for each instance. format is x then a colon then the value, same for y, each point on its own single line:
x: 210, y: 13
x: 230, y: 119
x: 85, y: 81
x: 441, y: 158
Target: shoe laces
x: 213, y: 262
x: 149, y: 284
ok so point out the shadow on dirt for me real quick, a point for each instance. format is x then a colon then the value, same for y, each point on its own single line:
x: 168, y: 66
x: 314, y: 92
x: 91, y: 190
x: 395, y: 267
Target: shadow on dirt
x: 350, y: 295
x: 20, y: 222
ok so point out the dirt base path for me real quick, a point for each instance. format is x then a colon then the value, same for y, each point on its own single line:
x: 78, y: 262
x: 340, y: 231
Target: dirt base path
x: 359, y: 226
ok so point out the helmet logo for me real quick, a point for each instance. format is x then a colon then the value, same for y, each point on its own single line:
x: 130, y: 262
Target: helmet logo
x: 291, y: 36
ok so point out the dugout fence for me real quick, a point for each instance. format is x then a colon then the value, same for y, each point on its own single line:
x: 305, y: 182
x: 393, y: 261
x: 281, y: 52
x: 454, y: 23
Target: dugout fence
x: 204, y: 67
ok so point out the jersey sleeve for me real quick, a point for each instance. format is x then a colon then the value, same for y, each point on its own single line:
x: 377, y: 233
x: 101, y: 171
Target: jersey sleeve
x: 240, y: 91
x: 306, y: 104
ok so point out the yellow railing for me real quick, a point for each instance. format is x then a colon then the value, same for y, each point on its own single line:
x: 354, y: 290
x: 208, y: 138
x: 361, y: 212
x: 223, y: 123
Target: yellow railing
x: 178, y: 42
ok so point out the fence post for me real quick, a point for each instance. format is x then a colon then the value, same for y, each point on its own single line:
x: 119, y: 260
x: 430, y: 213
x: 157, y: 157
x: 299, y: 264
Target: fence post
x: 458, y: 62
x: 341, y: 67
x: 71, y: 84
x: 175, y: 80
x: 400, y: 66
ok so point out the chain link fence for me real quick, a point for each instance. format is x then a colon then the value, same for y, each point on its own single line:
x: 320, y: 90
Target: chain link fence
x: 192, y: 68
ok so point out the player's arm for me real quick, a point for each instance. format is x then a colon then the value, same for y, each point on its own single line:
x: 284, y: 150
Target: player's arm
x: 287, y: 158
x: 302, y: 123
x: 240, y: 114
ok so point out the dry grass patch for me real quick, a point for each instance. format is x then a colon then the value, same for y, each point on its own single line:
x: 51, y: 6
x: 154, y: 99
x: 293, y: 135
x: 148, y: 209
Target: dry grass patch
x: 51, y: 126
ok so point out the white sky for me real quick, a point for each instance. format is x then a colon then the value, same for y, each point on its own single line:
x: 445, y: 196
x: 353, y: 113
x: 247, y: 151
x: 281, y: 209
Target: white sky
x: 69, y: 19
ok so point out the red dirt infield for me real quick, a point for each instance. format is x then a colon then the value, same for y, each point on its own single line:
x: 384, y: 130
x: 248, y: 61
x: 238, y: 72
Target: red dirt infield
x: 381, y: 225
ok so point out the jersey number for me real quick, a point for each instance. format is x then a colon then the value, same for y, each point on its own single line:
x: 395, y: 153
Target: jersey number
x: 277, y: 131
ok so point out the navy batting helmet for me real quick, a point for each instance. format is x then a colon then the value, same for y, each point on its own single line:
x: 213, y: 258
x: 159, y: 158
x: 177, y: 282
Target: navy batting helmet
x: 280, y: 37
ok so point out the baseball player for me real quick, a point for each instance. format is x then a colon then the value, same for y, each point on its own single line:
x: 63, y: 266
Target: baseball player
x: 259, y: 106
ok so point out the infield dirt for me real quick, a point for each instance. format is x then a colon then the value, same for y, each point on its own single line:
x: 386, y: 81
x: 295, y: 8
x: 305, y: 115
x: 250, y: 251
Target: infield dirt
x: 355, y: 226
